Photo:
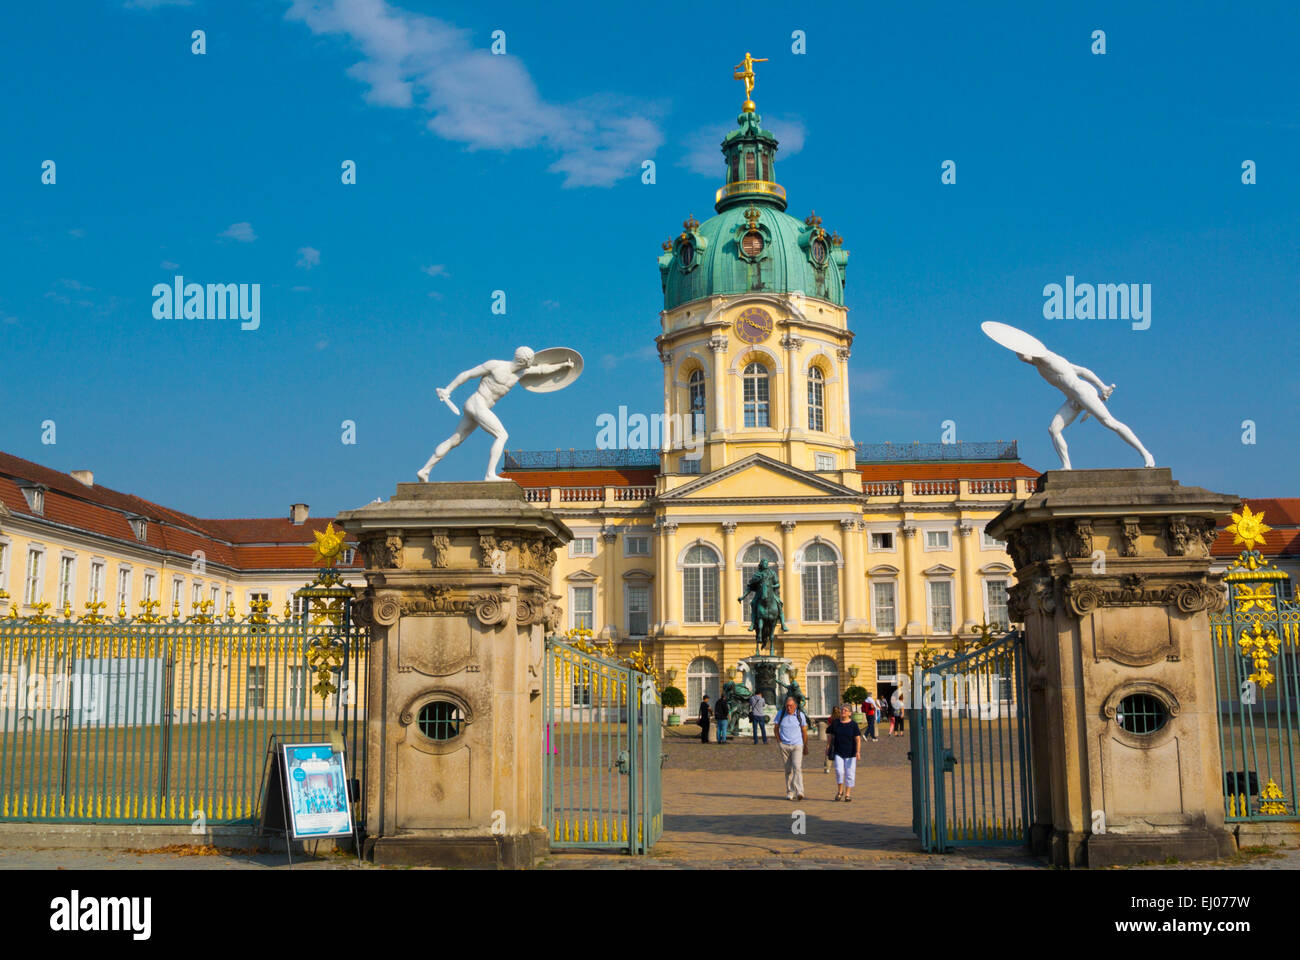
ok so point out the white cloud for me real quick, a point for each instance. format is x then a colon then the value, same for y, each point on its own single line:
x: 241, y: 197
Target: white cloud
x: 243, y: 232
x: 485, y: 101
x: 168, y: 265
x: 436, y: 270
x: 704, y: 146
x: 308, y: 257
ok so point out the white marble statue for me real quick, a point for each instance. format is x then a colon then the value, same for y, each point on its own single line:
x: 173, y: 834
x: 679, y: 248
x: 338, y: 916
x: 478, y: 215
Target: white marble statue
x: 496, y: 377
x: 1083, y: 389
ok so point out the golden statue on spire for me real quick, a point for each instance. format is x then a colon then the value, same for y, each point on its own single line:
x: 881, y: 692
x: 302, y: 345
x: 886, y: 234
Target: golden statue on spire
x: 747, y: 76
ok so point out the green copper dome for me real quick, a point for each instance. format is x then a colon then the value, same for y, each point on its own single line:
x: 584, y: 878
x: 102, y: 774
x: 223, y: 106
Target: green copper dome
x: 752, y: 245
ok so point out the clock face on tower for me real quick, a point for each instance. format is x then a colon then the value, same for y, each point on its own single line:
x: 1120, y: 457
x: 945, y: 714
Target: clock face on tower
x: 754, y: 325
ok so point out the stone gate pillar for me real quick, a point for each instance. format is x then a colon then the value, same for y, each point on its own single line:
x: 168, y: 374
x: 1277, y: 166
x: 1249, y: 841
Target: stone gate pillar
x: 458, y: 595
x: 1114, y: 588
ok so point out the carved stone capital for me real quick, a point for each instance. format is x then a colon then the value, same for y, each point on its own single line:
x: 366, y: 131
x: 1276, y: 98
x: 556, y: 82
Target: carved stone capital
x: 718, y: 343
x: 729, y: 527
x: 788, y: 525
x: 1130, y: 531
x: 792, y: 341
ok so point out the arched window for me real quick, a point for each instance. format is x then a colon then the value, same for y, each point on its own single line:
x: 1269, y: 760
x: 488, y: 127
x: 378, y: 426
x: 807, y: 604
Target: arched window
x: 701, y: 680
x: 757, y: 399
x: 821, y: 594
x: 816, y: 399
x: 695, y: 389
x: 823, y: 686
x: 749, y: 566
x: 700, y: 584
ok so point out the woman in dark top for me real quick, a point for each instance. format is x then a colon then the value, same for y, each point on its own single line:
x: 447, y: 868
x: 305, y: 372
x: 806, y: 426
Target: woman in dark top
x: 706, y: 714
x: 846, y: 747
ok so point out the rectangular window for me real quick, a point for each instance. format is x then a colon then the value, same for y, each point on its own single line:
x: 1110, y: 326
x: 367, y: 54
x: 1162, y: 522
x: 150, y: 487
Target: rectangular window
x: 582, y: 546
x: 995, y: 607
x: 34, y: 590
x: 825, y: 461
x: 178, y: 594
x: 67, y: 567
x: 636, y: 546
x: 883, y: 607
x: 96, y: 581
x: 749, y: 166
x: 149, y: 586
x: 886, y: 668
x: 991, y: 543
x: 256, y: 687
x: 757, y: 399
x: 689, y: 465
x: 638, y: 610
x: 214, y: 595
x: 700, y: 586
x: 196, y: 597
x: 297, y: 687
x: 582, y: 617
x: 124, y: 589
x: 882, y: 541
x: 940, y: 606
x: 4, y: 566
x: 581, y: 695
x: 938, y: 540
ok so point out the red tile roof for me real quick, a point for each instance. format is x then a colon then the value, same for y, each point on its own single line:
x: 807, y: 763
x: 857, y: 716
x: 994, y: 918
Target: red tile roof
x: 250, y: 544
x: 1280, y: 513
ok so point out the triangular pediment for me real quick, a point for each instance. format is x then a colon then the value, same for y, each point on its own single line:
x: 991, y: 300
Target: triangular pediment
x: 759, y: 477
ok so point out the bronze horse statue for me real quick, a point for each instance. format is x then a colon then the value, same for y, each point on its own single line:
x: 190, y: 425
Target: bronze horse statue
x: 768, y: 609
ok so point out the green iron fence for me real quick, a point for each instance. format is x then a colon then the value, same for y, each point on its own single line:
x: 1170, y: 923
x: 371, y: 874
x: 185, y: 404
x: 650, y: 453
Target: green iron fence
x: 603, y: 752
x: 1257, y: 681
x: 971, y: 775
x: 149, y: 720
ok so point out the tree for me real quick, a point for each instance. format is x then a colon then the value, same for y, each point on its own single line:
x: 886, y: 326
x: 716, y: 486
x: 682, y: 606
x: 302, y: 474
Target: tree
x: 855, y: 695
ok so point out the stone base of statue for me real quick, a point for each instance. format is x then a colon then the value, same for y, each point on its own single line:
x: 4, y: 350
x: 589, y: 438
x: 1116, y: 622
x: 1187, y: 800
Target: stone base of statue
x: 764, y: 670
x: 458, y: 596
x: 1114, y: 589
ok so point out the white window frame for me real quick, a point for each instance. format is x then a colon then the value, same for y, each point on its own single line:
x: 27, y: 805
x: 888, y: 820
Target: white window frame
x: 573, y: 606
x: 65, y: 591
x: 823, y: 462
x: 822, y: 585
x: 952, y: 605
x: 1006, y: 586
x: 627, y: 544
x: 764, y: 406
x: 627, y: 607
x: 816, y: 399
x: 573, y: 546
x: 124, y: 596
x: 871, y: 544
x: 196, y: 596
x: 988, y: 543
x: 717, y: 567
x: 875, y: 623
x: 94, y: 595
x: 6, y: 548
x: 214, y: 594
x: 927, y: 531
x: 147, y: 585
x: 34, y: 582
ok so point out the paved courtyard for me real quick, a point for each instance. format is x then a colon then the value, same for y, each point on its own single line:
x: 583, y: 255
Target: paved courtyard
x: 724, y: 807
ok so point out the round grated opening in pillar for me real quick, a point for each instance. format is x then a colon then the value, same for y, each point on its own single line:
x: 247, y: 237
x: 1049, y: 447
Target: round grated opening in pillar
x: 440, y: 720
x: 1141, y: 713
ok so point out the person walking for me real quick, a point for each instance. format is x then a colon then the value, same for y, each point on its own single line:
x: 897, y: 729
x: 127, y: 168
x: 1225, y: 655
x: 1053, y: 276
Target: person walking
x: 706, y: 714
x: 758, y: 717
x: 900, y: 711
x: 720, y: 712
x: 869, y: 708
x: 846, y: 746
x: 792, y: 735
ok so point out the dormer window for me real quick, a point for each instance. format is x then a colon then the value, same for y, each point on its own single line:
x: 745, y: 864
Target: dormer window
x: 139, y: 526
x: 34, y: 493
x: 819, y: 252
x: 687, y: 254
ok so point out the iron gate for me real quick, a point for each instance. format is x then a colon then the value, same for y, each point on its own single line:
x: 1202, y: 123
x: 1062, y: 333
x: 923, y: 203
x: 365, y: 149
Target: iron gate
x: 971, y: 779
x: 603, y: 752
x: 1256, y: 638
x: 158, y: 720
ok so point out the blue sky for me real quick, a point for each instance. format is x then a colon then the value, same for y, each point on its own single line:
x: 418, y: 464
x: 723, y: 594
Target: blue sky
x: 522, y: 173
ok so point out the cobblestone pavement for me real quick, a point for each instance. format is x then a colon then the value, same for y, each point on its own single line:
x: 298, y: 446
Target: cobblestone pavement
x: 724, y: 807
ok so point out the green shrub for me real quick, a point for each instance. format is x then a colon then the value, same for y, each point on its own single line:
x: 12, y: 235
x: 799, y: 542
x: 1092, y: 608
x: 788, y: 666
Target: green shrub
x: 672, y: 697
x: 855, y: 695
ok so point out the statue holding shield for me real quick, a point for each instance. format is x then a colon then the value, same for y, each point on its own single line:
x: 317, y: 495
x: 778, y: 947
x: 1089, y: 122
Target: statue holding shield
x: 543, y: 372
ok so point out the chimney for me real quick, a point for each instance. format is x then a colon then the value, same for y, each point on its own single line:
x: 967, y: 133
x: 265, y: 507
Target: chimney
x: 85, y: 476
x: 298, y: 513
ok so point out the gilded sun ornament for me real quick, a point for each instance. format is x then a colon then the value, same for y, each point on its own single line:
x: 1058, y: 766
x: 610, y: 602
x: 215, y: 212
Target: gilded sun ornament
x: 1248, y: 528
x: 329, y: 544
